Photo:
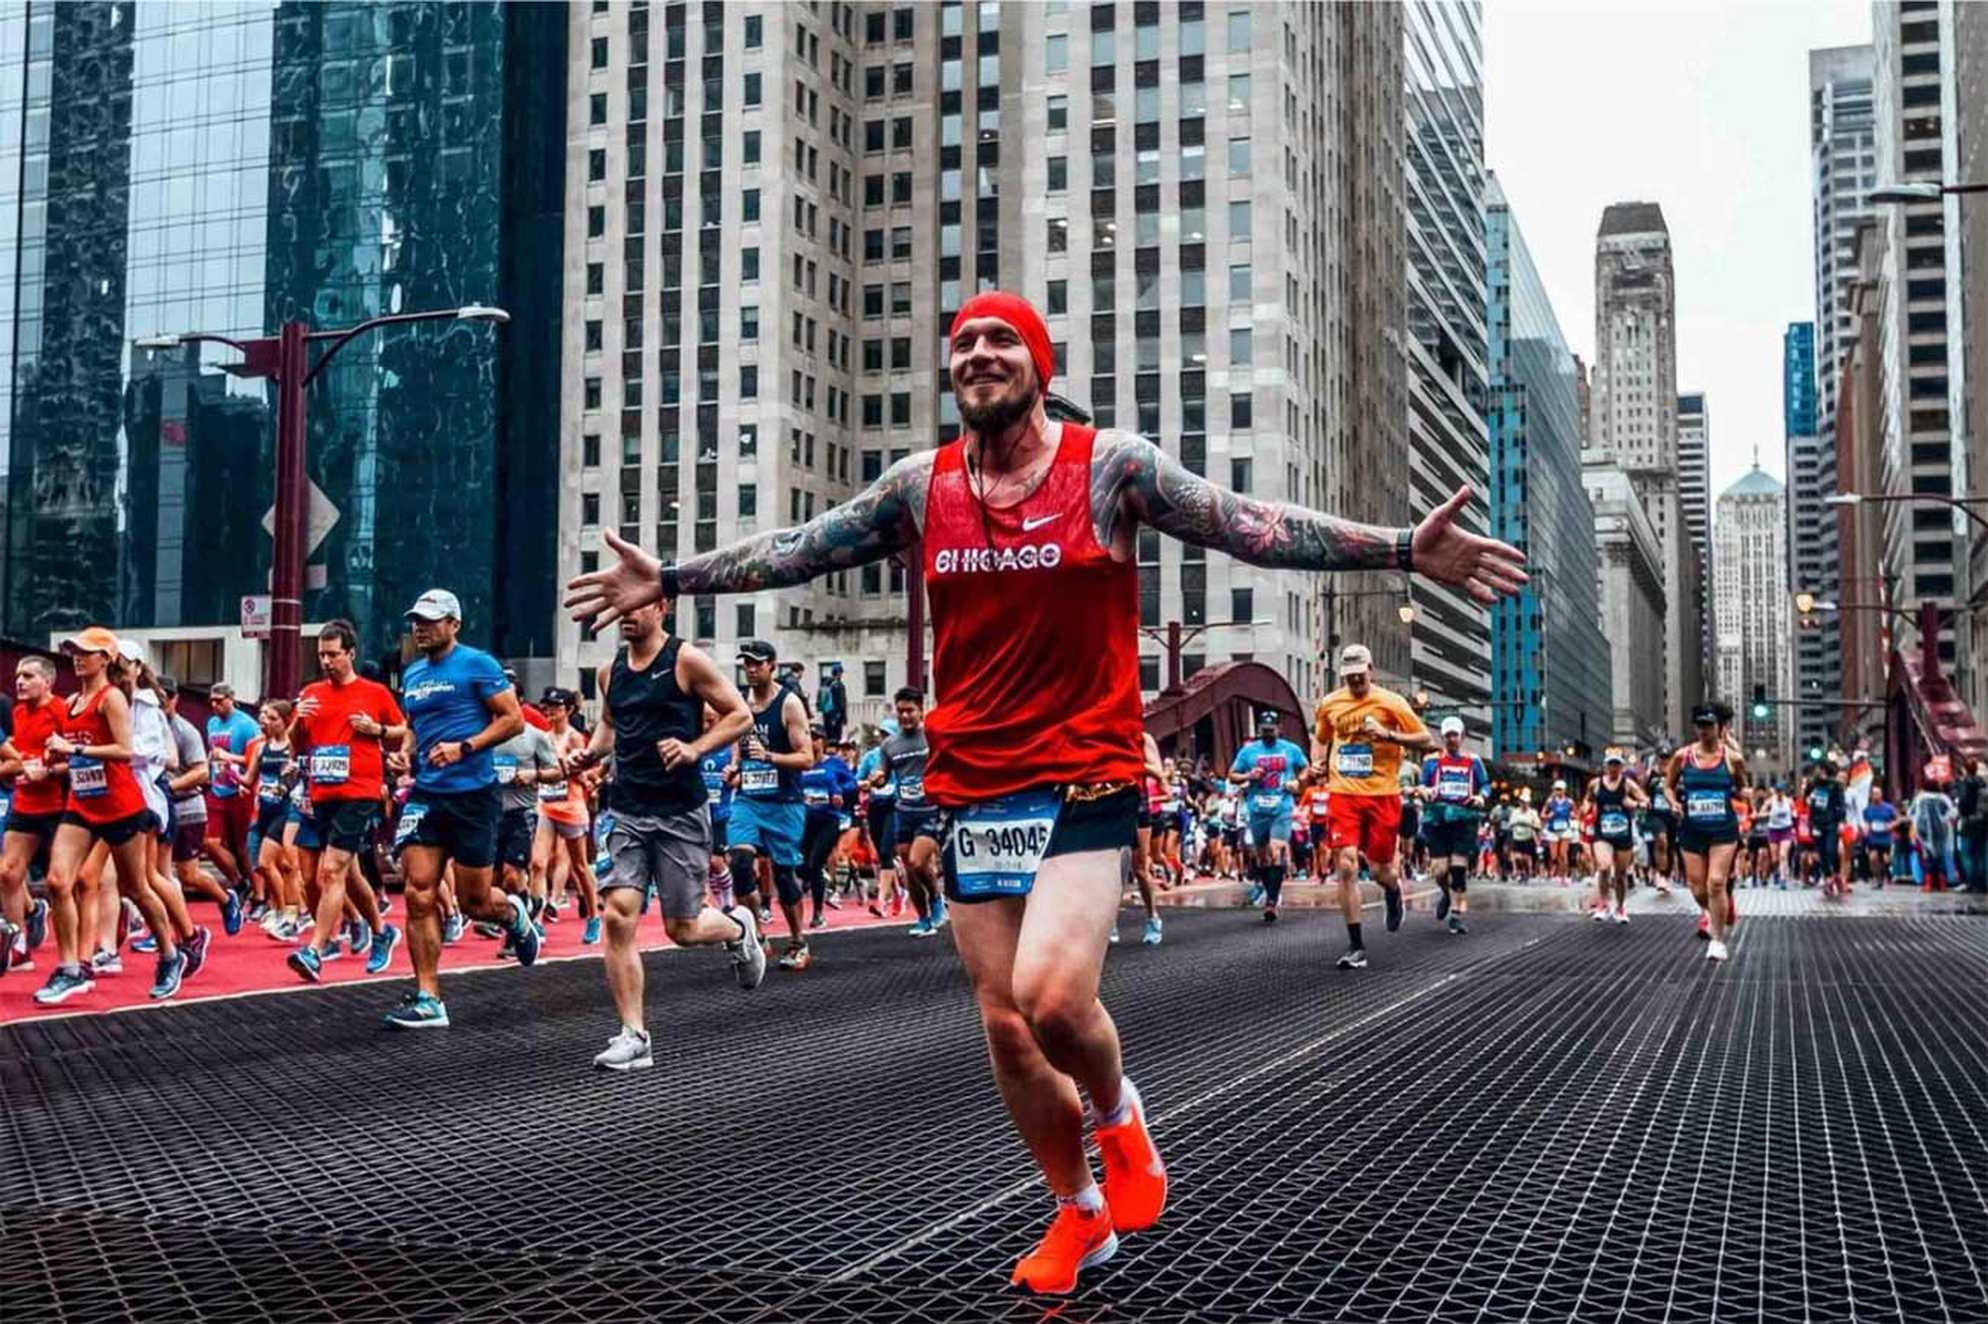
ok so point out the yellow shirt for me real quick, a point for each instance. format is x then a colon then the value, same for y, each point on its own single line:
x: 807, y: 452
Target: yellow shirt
x: 1360, y: 766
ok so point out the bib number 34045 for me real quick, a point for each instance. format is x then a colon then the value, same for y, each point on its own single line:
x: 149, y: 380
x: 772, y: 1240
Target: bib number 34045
x: 996, y: 848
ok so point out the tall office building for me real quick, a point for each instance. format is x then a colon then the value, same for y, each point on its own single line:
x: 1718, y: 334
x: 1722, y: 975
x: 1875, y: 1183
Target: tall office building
x: 1964, y: 153
x: 1550, y: 664
x: 1209, y: 214
x: 1912, y: 66
x: 1629, y: 584
x: 1694, y: 503
x: 1448, y: 444
x: 1843, y: 165
x: 1751, y: 566
x: 223, y: 168
x: 1633, y: 423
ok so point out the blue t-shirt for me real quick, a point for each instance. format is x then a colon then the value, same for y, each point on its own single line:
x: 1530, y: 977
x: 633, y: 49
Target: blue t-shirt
x: 1281, y: 762
x: 831, y: 777
x: 1878, y: 820
x: 233, y: 734
x: 869, y: 766
x: 1559, y: 812
x: 444, y: 701
x: 712, y: 769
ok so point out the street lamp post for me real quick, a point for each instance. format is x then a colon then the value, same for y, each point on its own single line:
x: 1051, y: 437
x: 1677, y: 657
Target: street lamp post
x: 285, y: 358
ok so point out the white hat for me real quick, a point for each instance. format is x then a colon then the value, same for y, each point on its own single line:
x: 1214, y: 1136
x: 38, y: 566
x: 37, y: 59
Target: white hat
x: 1355, y: 660
x: 1452, y: 726
x: 437, y: 604
x: 130, y: 649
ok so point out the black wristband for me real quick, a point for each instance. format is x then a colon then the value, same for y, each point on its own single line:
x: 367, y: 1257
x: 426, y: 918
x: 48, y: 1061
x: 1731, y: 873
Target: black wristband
x: 1404, y: 551
x: 670, y: 585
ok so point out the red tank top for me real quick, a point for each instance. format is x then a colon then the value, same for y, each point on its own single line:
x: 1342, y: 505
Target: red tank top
x: 1035, y: 636
x: 32, y: 728
x: 101, y: 790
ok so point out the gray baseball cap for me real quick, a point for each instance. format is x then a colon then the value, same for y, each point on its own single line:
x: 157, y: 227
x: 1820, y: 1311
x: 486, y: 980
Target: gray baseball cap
x: 437, y: 604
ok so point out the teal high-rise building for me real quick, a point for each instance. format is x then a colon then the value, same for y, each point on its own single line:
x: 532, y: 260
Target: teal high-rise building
x: 1549, y: 661
x: 225, y: 168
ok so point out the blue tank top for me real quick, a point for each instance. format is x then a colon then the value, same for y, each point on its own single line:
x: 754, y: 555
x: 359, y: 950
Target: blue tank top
x: 1707, y: 795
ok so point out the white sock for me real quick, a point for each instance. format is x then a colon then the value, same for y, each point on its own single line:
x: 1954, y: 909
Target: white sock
x: 1090, y: 1199
x: 1127, y: 1097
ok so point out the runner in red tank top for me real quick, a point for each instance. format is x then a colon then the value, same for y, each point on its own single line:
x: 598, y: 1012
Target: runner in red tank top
x: 34, y: 809
x: 1029, y: 531
x: 105, y: 805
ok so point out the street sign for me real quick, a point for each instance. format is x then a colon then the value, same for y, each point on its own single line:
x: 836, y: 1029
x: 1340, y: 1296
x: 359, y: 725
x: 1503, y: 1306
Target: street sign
x: 322, y: 518
x: 255, y: 616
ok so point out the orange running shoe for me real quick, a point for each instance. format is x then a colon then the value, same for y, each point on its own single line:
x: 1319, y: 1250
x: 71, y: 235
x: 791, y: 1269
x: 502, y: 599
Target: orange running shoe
x: 1135, y: 1179
x: 1078, y: 1239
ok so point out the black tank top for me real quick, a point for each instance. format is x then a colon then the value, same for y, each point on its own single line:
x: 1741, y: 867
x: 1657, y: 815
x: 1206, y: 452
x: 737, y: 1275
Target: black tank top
x: 648, y: 706
x: 762, y: 780
x: 1611, y: 809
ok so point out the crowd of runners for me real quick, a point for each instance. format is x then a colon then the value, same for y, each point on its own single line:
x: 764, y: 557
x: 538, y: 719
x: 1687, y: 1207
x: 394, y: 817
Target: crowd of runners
x: 1015, y: 815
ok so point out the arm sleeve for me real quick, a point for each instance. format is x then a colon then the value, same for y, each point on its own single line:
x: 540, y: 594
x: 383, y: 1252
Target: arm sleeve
x: 1480, y: 778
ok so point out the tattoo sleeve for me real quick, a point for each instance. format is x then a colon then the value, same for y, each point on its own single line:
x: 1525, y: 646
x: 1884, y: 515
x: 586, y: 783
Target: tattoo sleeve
x: 1131, y: 474
x: 883, y: 518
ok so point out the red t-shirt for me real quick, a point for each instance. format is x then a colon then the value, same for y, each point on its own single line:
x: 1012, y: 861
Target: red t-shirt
x: 344, y: 764
x: 533, y: 717
x: 32, y: 728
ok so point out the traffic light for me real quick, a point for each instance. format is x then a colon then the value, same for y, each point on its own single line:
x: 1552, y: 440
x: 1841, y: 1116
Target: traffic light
x: 1760, y: 708
x: 1815, y: 753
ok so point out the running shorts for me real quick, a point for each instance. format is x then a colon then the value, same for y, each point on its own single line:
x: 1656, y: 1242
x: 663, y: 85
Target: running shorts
x: 915, y: 823
x: 310, y: 833
x: 672, y: 851
x: 1109, y: 822
x: 515, y: 830
x: 770, y: 827
x: 188, y: 840
x: 1265, y: 828
x: 1368, y: 823
x: 1624, y: 844
x: 35, y: 825
x: 1527, y: 848
x: 118, y: 831
x: 345, y: 825
x: 1697, y: 841
x: 462, y: 824
x: 569, y: 831
x: 1451, y: 839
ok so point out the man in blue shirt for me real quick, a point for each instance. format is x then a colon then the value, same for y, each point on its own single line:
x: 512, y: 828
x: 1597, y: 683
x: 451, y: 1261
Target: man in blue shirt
x: 230, y: 812
x: 881, y: 824
x: 1267, y: 769
x: 459, y: 707
x: 828, y: 789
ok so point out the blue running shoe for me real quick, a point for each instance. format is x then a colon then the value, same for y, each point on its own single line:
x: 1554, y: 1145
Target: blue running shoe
x: 1152, y: 935
x: 939, y: 916
x: 452, y: 930
x: 172, y: 969
x: 419, y: 1011
x: 592, y: 933
x: 307, y: 962
x: 922, y: 929
x: 357, y: 936
x: 381, y: 953
x: 63, y: 985
x: 37, y: 923
x: 231, y: 914
x: 524, y: 934
x: 145, y: 944
x: 1256, y: 894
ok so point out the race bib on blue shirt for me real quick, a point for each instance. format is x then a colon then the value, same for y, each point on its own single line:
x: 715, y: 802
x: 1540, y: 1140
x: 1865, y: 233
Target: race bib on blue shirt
x: 997, y: 847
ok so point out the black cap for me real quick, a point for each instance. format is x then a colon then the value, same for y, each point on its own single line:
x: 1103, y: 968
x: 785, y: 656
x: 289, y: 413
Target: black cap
x: 1705, y: 714
x: 553, y: 694
x: 756, y: 650
x: 167, y: 684
x: 1268, y: 718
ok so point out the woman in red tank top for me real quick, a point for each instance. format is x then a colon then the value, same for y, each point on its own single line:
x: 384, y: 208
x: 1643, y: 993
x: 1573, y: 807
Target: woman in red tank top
x: 105, y: 805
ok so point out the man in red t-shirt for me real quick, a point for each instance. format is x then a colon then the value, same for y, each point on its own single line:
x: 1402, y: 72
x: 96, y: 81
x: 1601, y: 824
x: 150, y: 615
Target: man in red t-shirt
x: 34, y: 809
x: 342, y: 723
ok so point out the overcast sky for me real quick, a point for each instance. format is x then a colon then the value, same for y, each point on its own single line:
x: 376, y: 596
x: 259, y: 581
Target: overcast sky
x: 1702, y: 108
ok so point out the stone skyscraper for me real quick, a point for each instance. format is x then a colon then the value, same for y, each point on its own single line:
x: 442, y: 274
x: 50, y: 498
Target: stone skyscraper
x: 1633, y: 425
x: 1755, y: 636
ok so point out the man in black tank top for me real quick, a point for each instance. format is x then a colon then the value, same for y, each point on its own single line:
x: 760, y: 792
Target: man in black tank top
x: 653, y: 697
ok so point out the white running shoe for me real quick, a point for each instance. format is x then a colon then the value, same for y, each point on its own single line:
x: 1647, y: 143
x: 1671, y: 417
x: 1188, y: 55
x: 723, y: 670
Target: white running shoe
x: 1715, y: 950
x: 748, y: 953
x: 1599, y: 914
x: 1621, y: 915
x: 629, y: 1050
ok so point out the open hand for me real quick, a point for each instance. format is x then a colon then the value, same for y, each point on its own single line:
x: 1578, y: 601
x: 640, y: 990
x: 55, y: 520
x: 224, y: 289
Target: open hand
x: 1484, y: 567
x: 632, y: 582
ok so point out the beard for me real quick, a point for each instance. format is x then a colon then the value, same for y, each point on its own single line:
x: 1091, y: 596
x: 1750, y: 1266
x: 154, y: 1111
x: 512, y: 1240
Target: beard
x: 997, y: 416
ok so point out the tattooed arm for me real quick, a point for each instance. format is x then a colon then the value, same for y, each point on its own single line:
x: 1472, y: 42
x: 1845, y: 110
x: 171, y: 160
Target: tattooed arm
x: 884, y: 518
x: 1131, y: 476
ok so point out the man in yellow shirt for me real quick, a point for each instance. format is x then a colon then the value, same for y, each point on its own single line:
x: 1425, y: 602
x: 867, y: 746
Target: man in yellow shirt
x: 1361, y: 733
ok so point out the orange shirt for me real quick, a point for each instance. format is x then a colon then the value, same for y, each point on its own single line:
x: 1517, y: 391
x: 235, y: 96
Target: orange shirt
x: 1361, y: 766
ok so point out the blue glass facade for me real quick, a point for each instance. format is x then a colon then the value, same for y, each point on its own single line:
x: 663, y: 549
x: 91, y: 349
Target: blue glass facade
x: 1798, y: 398
x: 1550, y: 663
x: 225, y: 167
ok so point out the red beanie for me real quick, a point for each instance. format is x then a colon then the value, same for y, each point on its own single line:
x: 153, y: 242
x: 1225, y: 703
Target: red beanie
x: 1016, y: 312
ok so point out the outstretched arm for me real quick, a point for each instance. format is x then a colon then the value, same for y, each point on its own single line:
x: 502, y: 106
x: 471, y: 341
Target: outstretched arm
x: 884, y: 518
x: 1130, y: 475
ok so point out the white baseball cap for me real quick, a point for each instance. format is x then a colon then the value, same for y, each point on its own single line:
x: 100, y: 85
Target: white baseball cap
x: 1355, y: 660
x: 1452, y: 726
x: 437, y: 604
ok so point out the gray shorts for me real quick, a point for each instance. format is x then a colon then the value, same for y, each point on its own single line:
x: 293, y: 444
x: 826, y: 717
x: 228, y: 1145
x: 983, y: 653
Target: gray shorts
x: 671, y: 850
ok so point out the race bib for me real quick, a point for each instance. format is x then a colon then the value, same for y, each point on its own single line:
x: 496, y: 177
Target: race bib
x: 714, y: 791
x: 1268, y: 800
x: 411, y: 815
x: 6, y: 805
x: 1614, y: 823
x: 507, y: 768
x: 1706, y: 806
x: 87, y: 777
x: 815, y: 799
x: 1354, y: 760
x: 759, y: 779
x: 1453, y: 786
x: 271, y: 791
x: 997, y: 847
x: 911, y: 788
x: 1818, y: 803
x: 552, y: 792
x: 331, y: 765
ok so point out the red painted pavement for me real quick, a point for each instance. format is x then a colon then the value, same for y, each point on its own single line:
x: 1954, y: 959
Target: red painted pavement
x: 251, y: 963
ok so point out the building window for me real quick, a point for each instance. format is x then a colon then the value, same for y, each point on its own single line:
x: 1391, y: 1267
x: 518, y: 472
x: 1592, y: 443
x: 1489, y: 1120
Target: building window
x: 1238, y: 221
x: 1242, y: 605
x: 873, y: 680
x: 590, y: 450
x: 599, y: 52
x: 1239, y: 473
x: 591, y: 393
x: 590, y: 508
x: 753, y: 37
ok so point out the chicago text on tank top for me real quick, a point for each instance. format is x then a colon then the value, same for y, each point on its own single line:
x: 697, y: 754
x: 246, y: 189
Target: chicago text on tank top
x: 649, y: 706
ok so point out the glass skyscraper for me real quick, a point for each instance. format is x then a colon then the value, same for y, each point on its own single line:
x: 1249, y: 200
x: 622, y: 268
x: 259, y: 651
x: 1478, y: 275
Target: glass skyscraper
x: 224, y: 167
x: 1550, y: 663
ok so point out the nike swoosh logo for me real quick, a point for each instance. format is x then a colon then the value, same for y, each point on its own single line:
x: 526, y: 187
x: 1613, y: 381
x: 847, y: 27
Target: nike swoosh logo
x: 1031, y: 525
